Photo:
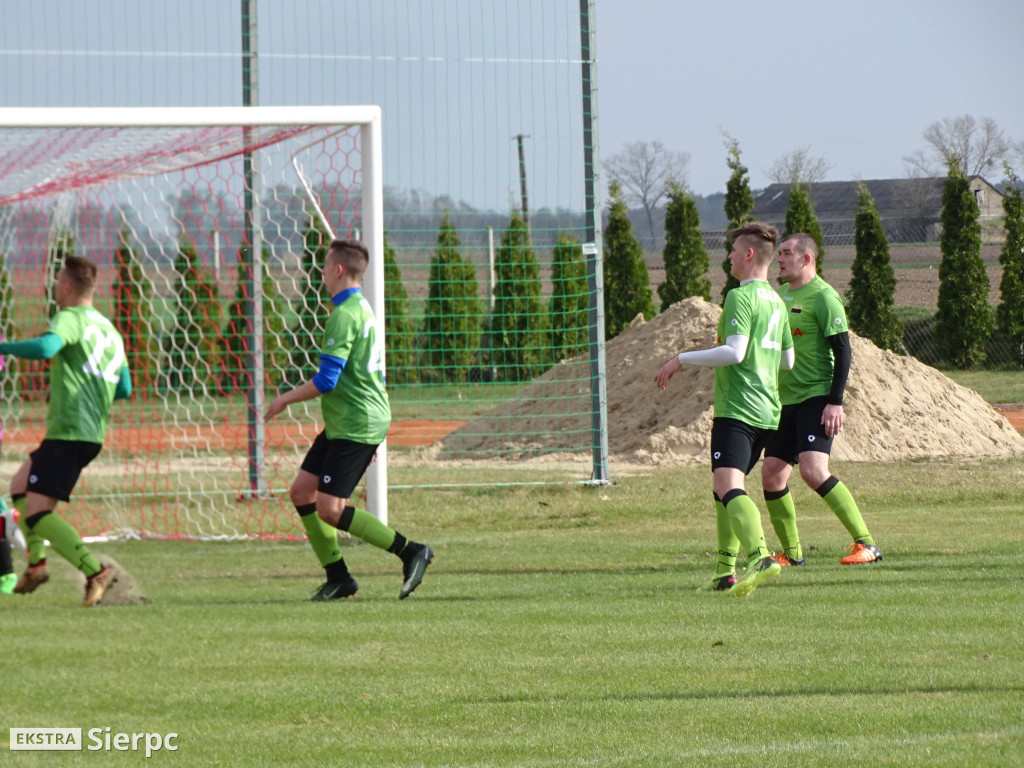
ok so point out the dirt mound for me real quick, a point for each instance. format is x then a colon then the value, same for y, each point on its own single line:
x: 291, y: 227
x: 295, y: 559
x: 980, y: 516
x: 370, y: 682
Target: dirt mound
x: 124, y: 591
x: 896, y: 408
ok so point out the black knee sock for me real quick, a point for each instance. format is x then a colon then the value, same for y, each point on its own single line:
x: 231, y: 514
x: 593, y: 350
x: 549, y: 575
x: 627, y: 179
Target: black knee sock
x: 398, y: 545
x: 336, y: 571
x: 6, y: 562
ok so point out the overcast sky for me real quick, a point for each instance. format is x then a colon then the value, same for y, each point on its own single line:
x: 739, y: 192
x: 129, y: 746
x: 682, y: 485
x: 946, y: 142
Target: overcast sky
x: 856, y: 81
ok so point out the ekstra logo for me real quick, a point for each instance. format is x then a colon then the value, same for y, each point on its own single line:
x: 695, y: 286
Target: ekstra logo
x: 46, y: 739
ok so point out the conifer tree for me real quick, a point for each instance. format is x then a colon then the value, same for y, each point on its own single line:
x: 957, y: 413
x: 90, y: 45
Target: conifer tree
x: 1010, y: 312
x: 7, y: 321
x: 309, y: 307
x: 964, y: 319
x: 627, y: 285
x: 739, y: 202
x: 800, y: 218
x: 133, y: 313
x: 236, y: 375
x: 63, y: 246
x: 873, y: 283
x: 276, y: 353
x: 451, y: 326
x: 399, y: 335
x: 8, y: 330
x: 192, y: 348
x: 686, y: 261
x: 569, y: 299
x: 519, y: 344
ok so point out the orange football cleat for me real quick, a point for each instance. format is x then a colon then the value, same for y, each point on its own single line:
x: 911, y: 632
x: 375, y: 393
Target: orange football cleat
x: 786, y: 561
x: 861, y: 553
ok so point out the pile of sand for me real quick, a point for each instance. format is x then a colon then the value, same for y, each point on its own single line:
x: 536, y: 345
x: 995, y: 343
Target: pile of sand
x: 896, y: 407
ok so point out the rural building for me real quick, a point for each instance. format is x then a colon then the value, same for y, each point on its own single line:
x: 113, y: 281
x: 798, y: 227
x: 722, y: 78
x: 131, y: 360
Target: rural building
x: 910, y: 209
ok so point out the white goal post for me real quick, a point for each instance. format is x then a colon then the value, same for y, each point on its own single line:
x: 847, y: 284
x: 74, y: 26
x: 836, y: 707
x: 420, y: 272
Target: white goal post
x: 61, y: 166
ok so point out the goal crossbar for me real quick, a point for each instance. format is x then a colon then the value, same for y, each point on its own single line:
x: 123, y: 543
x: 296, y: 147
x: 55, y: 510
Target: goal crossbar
x: 147, y: 117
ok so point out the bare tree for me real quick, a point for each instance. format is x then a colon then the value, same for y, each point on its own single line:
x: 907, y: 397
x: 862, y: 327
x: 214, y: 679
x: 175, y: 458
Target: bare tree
x: 645, y: 170
x: 799, y: 167
x: 979, y: 147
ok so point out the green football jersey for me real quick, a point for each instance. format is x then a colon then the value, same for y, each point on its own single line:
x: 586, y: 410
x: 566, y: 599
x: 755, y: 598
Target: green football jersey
x: 83, y: 375
x: 815, y: 313
x: 749, y: 391
x: 357, y: 408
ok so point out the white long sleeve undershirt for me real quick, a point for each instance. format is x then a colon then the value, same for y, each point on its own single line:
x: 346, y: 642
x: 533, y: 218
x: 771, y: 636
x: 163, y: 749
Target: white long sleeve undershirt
x: 730, y: 353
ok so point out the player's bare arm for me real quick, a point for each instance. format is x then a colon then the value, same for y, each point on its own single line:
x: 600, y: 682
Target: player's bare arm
x: 301, y: 393
x: 667, y: 371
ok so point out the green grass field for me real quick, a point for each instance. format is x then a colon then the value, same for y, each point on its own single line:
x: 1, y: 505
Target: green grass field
x: 994, y: 386
x: 559, y: 626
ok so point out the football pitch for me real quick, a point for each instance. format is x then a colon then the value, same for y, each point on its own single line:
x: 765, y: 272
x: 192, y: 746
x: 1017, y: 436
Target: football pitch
x: 559, y: 626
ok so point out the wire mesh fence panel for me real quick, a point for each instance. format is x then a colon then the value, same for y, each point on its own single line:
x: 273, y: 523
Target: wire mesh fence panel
x: 483, y: 122
x: 161, y: 211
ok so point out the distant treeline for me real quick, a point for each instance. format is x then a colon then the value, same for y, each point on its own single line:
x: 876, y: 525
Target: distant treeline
x: 214, y: 223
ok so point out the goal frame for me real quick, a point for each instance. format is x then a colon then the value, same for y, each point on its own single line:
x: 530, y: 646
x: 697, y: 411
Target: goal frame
x: 366, y: 117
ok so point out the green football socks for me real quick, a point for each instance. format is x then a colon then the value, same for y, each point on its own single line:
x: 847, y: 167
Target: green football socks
x: 322, y: 536
x: 365, y: 526
x: 840, y: 500
x: 35, y: 543
x: 782, y: 513
x: 746, y: 524
x: 66, y: 542
x: 728, y: 544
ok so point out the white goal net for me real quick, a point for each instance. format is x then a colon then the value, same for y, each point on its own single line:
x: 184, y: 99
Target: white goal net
x: 209, y: 227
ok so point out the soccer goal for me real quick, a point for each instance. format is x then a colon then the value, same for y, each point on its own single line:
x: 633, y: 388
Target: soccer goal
x: 207, y: 224
x: 210, y: 227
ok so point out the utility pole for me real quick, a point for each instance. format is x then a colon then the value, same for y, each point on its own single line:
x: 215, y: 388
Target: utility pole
x: 522, y: 178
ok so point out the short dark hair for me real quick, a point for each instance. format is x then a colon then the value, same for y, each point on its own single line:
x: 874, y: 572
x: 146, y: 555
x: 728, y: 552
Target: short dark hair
x: 352, y: 255
x: 82, y: 273
x: 758, y: 235
x: 805, y: 244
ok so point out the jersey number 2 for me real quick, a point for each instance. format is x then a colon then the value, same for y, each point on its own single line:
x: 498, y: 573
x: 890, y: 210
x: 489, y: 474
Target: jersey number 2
x: 102, y: 340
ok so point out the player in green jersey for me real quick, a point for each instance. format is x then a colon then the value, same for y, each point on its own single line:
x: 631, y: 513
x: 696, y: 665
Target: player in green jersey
x: 350, y: 385
x: 754, y: 341
x: 812, y: 405
x: 88, y: 372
